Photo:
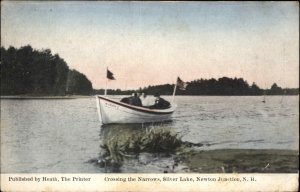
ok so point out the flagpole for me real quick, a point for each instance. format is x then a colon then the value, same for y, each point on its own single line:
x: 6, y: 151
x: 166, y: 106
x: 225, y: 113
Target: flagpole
x: 175, y: 86
x: 105, y: 92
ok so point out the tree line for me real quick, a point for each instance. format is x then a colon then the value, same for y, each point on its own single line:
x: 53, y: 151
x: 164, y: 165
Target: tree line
x: 222, y: 86
x: 39, y: 72
x: 26, y: 71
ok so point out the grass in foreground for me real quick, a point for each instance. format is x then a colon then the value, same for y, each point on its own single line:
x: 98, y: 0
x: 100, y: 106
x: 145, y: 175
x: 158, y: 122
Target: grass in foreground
x: 120, y: 143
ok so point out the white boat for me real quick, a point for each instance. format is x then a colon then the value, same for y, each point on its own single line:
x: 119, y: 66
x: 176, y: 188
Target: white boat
x: 112, y: 111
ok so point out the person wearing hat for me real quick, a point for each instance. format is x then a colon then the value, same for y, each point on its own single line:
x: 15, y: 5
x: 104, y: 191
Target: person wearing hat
x: 160, y: 103
x: 133, y: 100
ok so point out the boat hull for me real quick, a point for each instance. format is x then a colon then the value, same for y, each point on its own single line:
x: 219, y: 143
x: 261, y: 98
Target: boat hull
x: 110, y: 111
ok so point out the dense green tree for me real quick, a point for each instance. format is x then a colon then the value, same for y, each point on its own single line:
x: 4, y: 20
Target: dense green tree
x: 38, y: 72
x: 77, y: 83
x: 255, y: 90
x: 276, y: 90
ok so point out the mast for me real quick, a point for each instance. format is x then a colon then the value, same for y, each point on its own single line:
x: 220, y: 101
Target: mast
x: 105, y: 91
x: 174, y: 91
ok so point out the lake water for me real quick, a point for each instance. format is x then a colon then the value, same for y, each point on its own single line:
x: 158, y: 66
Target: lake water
x: 64, y: 135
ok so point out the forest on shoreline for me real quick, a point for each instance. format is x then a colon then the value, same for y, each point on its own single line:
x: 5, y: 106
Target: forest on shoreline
x: 215, y: 87
x: 27, y: 71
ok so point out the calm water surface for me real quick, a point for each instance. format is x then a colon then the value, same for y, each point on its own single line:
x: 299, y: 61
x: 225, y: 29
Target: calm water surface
x: 63, y: 135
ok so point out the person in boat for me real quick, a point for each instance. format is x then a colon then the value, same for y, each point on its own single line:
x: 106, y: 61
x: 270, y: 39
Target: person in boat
x: 135, y: 100
x: 160, y: 103
x: 146, y: 100
x: 126, y: 100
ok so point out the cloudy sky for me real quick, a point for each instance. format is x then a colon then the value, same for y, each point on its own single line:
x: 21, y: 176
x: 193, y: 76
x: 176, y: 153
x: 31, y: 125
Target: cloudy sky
x: 149, y: 43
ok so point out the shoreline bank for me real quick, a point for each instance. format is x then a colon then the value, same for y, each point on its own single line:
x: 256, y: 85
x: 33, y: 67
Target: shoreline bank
x: 242, y: 161
x: 46, y: 97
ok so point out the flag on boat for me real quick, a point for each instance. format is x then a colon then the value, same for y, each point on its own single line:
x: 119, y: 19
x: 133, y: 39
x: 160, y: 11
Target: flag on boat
x: 110, y: 75
x: 181, y: 84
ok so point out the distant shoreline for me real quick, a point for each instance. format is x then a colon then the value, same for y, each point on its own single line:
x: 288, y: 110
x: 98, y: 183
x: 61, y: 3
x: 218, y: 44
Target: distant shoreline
x: 46, y: 97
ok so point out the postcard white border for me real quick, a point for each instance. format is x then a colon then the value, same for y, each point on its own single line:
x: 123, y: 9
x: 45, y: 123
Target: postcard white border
x: 184, y: 182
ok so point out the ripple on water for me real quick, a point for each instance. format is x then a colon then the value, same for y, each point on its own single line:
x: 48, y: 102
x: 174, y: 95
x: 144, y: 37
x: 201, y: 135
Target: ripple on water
x: 60, y: 135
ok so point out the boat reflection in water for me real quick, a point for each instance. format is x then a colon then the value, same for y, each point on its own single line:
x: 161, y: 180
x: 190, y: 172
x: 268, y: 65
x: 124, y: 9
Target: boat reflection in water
x: 132, y: 147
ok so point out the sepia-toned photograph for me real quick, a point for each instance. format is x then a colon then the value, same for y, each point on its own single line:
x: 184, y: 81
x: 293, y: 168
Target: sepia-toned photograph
x: 132, y: 87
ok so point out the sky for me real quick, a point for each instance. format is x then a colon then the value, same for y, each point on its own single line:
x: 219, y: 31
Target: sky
x: 151, y: 43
